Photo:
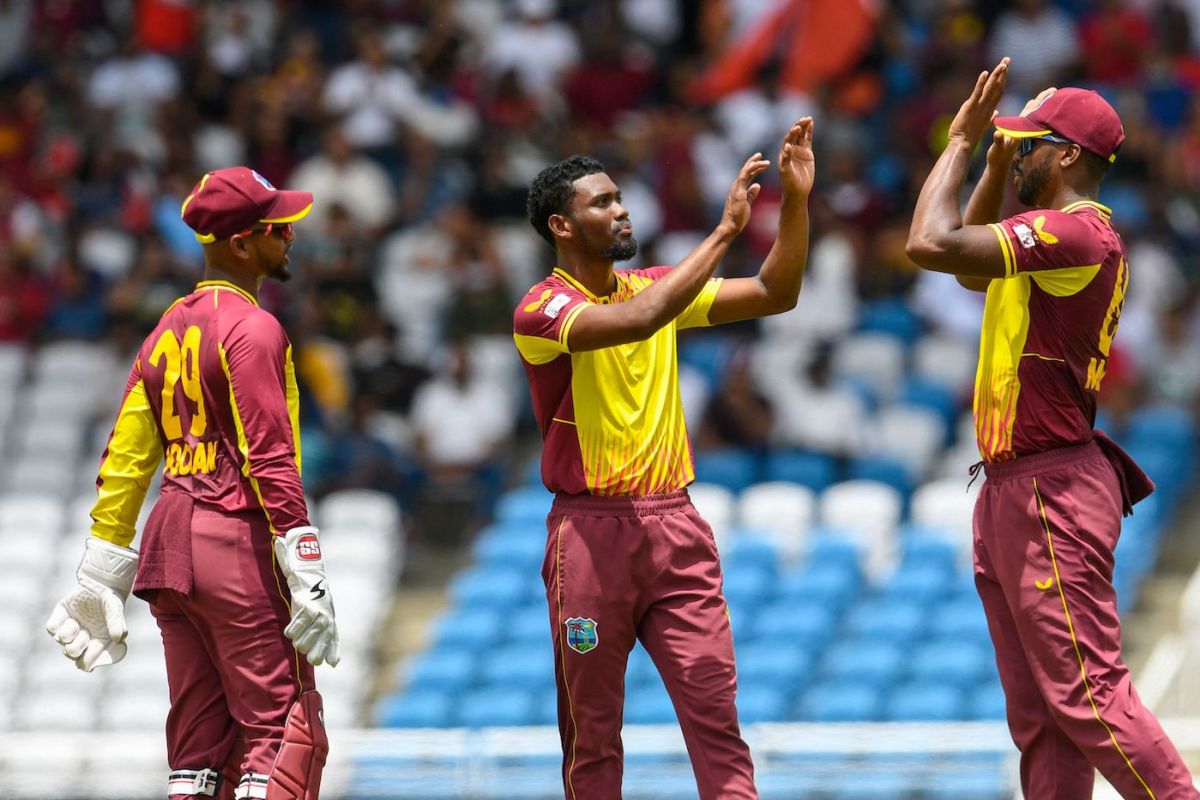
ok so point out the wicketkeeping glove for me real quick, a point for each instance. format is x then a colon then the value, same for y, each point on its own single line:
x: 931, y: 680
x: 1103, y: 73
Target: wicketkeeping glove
x: 312, y: 629
x: 90, y: 621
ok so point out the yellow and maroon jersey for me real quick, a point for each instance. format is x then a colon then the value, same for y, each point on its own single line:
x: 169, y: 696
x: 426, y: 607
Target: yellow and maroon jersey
x: 1048, y: 326
x: 213, y: 391
x: 611, y: 419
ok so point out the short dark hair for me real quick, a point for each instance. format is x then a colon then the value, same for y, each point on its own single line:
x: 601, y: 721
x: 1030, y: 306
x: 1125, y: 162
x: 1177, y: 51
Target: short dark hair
x: 551, y: 191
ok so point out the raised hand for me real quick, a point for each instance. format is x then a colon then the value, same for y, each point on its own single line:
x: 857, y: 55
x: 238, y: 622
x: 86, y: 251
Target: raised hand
x: 977, y: 112
x: 797, y: 167
x: 742, y: 193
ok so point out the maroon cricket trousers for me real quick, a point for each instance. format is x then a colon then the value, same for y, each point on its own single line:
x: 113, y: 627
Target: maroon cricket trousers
x: 621, y: 569
x: 1046, y: 526
x: 233, y: 676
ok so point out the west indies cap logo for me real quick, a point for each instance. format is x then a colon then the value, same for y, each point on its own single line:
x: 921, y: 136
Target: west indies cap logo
x: 581, y: 634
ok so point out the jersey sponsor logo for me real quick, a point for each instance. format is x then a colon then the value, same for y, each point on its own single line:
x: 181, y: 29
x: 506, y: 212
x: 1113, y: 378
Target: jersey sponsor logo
x: 581, y: 634
x: 308, y: 548
x: 191, y: 459
x: 555, y: 306
x: 541, y: 301
x: 1025, y: 235
x: 1044, y: 585
x: 1045, y: 236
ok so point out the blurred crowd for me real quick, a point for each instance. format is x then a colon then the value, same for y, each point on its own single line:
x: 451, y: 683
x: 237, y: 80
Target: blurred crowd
x: 417, y: 124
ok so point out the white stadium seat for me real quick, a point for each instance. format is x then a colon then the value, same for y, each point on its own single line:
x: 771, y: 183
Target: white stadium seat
x: 869, y: 511
x: 716, y: 504
x: 782, y: 509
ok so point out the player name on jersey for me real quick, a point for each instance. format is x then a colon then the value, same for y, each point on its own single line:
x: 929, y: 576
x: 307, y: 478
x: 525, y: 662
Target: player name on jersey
x: 188, y: 459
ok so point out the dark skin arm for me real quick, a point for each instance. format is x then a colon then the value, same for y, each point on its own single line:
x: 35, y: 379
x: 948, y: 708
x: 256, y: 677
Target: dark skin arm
x: 777, y: 285
x: 634, y: 320
x: 940, y: 239
x: 988, y: 197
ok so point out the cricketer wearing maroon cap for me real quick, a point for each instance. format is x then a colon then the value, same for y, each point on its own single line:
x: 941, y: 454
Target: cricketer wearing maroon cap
x: 228, y: 560
x: 1049, y: 515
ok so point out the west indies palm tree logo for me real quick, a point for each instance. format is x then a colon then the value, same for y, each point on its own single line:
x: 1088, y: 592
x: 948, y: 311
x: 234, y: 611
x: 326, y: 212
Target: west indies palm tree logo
x: 581, y: 634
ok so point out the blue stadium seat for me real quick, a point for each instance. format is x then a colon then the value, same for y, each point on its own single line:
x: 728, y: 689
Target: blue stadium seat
x: 886, y: 620
x: 919, y: 700
x: 488, y: 587
x: 922, y: 546
x: 893, y: 316
x: 526, y: 505
x: 840, y: 702
x: 640, y: 670
x: 773, y: 663
x: 926, y: 584
x: 732, y: 468
x: 530, y: 624
x: 762, y: 703
x: 648, y: 705
x: 746, y: 586
x: 708, y: 353
x: 494, y: 707
x: 866, y: 662
x: 986, y: 702
x: 519, y: 666
x: 951, y: 662
x: 417, y: 709
x: 443, y: 670
x: 930, y: 394
x: 832, y: 584
x: 833, y: 547
x: 809, y: 626
x: 884, y: 470
x: 750, y: 548
x: 468, y: 628
x: 814, y: 470
x: 960, y: 618
x: 521, y: 546
x: 545, y: 708
x: 1164, y: 426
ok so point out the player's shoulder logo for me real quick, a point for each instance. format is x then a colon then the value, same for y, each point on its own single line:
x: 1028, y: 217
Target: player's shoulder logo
x: 1039, y: 225
x: 536, y: 305
x: 581, y: 634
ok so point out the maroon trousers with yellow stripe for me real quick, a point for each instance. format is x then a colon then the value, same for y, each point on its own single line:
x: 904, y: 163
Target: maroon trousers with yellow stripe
x: 621, y: 569
x: 233, y: 675
x: 1046, y: 526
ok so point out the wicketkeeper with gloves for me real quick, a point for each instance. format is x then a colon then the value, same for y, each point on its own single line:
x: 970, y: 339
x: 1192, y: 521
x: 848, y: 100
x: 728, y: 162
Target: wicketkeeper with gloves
x: 229, y: 562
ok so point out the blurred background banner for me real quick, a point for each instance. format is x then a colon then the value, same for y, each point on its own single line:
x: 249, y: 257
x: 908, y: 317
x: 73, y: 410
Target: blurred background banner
x: 831, y: 442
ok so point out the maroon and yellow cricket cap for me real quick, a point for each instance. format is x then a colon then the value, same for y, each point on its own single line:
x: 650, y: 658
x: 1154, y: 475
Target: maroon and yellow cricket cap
x: 228, y: 201
x: 1079, y: 115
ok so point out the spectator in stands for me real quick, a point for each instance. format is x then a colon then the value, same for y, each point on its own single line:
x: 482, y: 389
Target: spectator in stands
x: 738, y: 414
x: 1042, y: 41
x: 815, y: 412
x: 343, y: 177
x: 1172, y: 363
x: 536, y: 46
x: 370, y: 96
x: 460, y: 424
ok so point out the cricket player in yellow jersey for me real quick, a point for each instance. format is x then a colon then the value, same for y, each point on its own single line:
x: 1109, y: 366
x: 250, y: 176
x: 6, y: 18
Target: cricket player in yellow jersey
x: 229, y: 562
x: 627, y: 556
x: 1048, y: 518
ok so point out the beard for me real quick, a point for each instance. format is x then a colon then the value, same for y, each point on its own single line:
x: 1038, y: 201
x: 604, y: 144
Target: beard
x: 621, y: 249
x: 1032, y: 184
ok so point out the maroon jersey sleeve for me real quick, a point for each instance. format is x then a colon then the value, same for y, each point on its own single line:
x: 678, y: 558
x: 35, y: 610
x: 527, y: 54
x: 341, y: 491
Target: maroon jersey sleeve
x: 1045, y: 239
x: 543, y: 320
x: 256, y: 356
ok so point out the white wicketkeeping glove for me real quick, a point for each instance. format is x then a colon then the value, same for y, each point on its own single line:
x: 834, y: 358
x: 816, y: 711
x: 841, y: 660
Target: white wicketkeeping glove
x: 90, y: 621
x: 312, y: 629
